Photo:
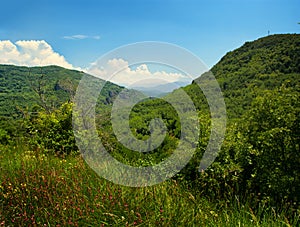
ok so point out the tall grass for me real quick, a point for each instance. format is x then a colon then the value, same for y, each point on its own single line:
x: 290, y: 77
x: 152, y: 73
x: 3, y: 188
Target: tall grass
x: 44, y: 190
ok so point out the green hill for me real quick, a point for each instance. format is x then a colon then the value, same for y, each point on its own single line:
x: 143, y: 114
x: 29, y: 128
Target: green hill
x: 266, y: 63
x: 25, y: 89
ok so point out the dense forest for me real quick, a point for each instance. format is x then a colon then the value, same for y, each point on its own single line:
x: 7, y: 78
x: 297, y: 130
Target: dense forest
x: 254, y: 181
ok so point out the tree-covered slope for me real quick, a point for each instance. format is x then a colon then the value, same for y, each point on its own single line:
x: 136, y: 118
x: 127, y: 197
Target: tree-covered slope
x: 266, y: 63
x: 25, y: 89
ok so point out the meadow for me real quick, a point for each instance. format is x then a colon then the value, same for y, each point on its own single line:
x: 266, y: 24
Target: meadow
x: 44, y: 190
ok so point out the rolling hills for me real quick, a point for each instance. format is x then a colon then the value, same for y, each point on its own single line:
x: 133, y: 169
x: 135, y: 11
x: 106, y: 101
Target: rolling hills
x: 266, y: 63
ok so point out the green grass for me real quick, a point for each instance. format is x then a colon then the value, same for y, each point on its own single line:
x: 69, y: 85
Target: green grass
x: 44, y: 190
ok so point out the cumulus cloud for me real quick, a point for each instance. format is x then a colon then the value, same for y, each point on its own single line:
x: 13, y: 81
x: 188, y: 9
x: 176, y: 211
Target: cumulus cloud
x: 79, y: 37
x: 30, y: 53
x: 118, y: 71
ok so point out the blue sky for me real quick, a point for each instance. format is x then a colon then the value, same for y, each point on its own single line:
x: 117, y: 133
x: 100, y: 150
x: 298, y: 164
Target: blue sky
x: 207, y: 28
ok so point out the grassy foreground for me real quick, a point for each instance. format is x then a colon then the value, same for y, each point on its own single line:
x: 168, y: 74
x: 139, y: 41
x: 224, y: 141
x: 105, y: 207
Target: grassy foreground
x: 43, y: 190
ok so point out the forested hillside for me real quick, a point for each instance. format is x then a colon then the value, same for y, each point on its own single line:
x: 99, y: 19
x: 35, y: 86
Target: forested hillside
x: 27, y: 92
x: 261, y: 86
x: 25, y: 89
x: 265, y: 64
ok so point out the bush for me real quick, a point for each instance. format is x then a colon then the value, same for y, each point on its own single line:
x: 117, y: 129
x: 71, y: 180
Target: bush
x: 54, y: 131
x: 260, y: 155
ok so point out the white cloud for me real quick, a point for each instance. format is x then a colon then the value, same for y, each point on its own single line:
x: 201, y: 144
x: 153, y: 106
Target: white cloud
x: 118, y: 71
x: 30, y: 53
x: 75, y: 37
x: 79, y: 37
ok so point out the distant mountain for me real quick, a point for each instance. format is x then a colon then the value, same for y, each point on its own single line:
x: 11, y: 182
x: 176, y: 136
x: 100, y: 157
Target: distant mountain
x: 160, y: 90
